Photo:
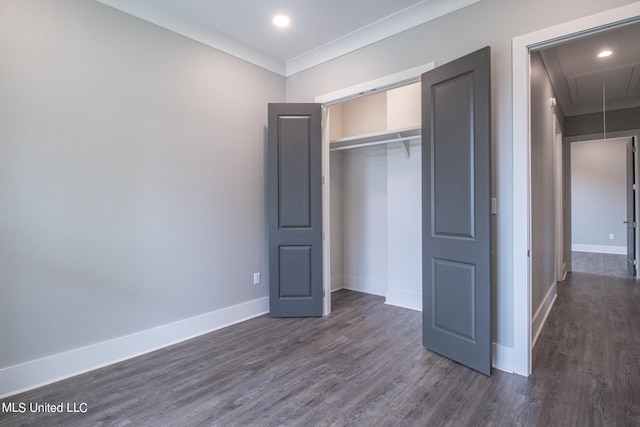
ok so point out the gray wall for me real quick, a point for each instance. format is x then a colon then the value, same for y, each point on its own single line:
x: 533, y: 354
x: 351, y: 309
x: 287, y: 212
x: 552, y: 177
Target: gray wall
x: 543, y: 208
x: 132, y: 165
x: 489, y: 22
x: 598, y: 193
x: 593, y: 124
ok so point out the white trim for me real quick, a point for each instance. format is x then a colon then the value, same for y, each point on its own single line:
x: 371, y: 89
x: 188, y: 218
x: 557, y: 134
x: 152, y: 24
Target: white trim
x: 559, y: 196
x: 36, y: 373
x: 404, y: 299
x: 636, y: 174
x: 413, y: 16
x: 521, y: 146
x: 367, y: 286
x: 599, y: 249
x: 503, y: 358
x: 521, y: 212
x: 540, y: 317
x: 400, y: 78
x: 327, y: 280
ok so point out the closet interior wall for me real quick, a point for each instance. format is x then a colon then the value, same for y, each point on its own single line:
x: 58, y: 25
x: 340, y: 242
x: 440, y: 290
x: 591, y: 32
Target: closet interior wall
x: 376, y: 208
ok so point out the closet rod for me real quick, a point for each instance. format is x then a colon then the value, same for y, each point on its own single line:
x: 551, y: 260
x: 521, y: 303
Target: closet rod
x: 369, y: 144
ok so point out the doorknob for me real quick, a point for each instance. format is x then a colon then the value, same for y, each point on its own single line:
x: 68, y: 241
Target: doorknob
x: 626, y: 222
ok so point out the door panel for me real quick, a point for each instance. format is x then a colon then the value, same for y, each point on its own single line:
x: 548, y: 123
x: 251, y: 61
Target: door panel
x: 456, y: 183
x: 631, y: 208
x: 452, y: 202
x: 295, y: 210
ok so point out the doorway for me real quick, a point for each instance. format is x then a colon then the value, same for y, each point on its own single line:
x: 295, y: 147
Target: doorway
x: 375, y: 194
x: 522, y: 203
x: 372, y: 116
x: 599, y: 207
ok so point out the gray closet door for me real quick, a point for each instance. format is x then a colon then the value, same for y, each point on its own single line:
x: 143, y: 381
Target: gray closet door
x: 456, y: 122
x: 631, y: 208
x: 295, y: 210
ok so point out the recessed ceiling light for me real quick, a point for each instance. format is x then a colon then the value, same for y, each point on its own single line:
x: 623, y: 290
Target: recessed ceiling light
x: 604, y: 54
x: 281, y: 21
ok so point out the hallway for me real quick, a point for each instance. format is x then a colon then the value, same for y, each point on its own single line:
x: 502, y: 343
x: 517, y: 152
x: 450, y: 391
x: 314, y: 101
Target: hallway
x: 586, y: 363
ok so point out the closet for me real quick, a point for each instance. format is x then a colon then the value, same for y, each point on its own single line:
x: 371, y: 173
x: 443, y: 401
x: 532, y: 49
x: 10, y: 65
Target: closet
x: 376, y: 201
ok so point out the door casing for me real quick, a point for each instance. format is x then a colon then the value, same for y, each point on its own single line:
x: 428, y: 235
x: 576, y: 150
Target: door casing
x: 520, y: 353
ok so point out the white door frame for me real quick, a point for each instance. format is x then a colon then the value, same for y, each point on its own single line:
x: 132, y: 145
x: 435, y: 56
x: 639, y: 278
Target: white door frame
x: 559, y: 198
x: 636, y: 173
x: 402, y: 78
x: 521, y: 165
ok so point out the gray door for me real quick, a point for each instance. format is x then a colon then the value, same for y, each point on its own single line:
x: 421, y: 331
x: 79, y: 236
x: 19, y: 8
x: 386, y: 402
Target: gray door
x: 295, y: 210
x: 456, y: 243
x: 631, y: 208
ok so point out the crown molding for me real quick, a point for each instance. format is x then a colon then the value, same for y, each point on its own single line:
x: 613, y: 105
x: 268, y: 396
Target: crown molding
x: 425, y: 11
x: 415, y: 15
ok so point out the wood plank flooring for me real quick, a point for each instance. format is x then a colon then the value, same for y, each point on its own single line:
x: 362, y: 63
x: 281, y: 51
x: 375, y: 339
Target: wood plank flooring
x: 365, y: 366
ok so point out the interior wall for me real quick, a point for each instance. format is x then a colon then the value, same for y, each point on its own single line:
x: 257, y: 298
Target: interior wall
x: 364, y: 219
x: 404, y: 225
x: 133, y: 177
x: 598, y: 194
x: 337, y: 234
x: 593, y: 124
x: 489, y: 22
x: 543, y: 210
x: 364, y: 115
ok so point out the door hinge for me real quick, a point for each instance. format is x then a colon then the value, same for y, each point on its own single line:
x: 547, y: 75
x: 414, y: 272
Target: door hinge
x: 323, y: 237
x: 635, y: 186
x: 635, y: 262
x: 528, y: 252
x: 324, y: 293
x: 323, y: 181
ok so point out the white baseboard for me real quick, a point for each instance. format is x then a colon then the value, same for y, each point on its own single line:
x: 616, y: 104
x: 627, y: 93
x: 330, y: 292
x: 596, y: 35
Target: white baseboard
x: 367, y: 286
x: 36, y: 373
x: 404, y: 299
x: 541, y: 314
x: 600, y: 249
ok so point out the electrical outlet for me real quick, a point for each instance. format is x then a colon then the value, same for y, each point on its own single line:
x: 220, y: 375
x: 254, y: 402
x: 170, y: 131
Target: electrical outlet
x: 611, y: 237
x: 256, y: 278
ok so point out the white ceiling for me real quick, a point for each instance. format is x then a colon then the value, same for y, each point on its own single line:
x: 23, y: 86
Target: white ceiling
x: 320, y: 30
x: 578, y: 75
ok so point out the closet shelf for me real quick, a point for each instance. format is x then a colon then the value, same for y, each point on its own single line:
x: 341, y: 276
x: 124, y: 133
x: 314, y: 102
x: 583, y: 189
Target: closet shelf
x: 377, y: 138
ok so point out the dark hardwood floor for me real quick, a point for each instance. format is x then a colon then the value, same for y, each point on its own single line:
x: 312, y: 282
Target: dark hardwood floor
x: 365, y: 366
